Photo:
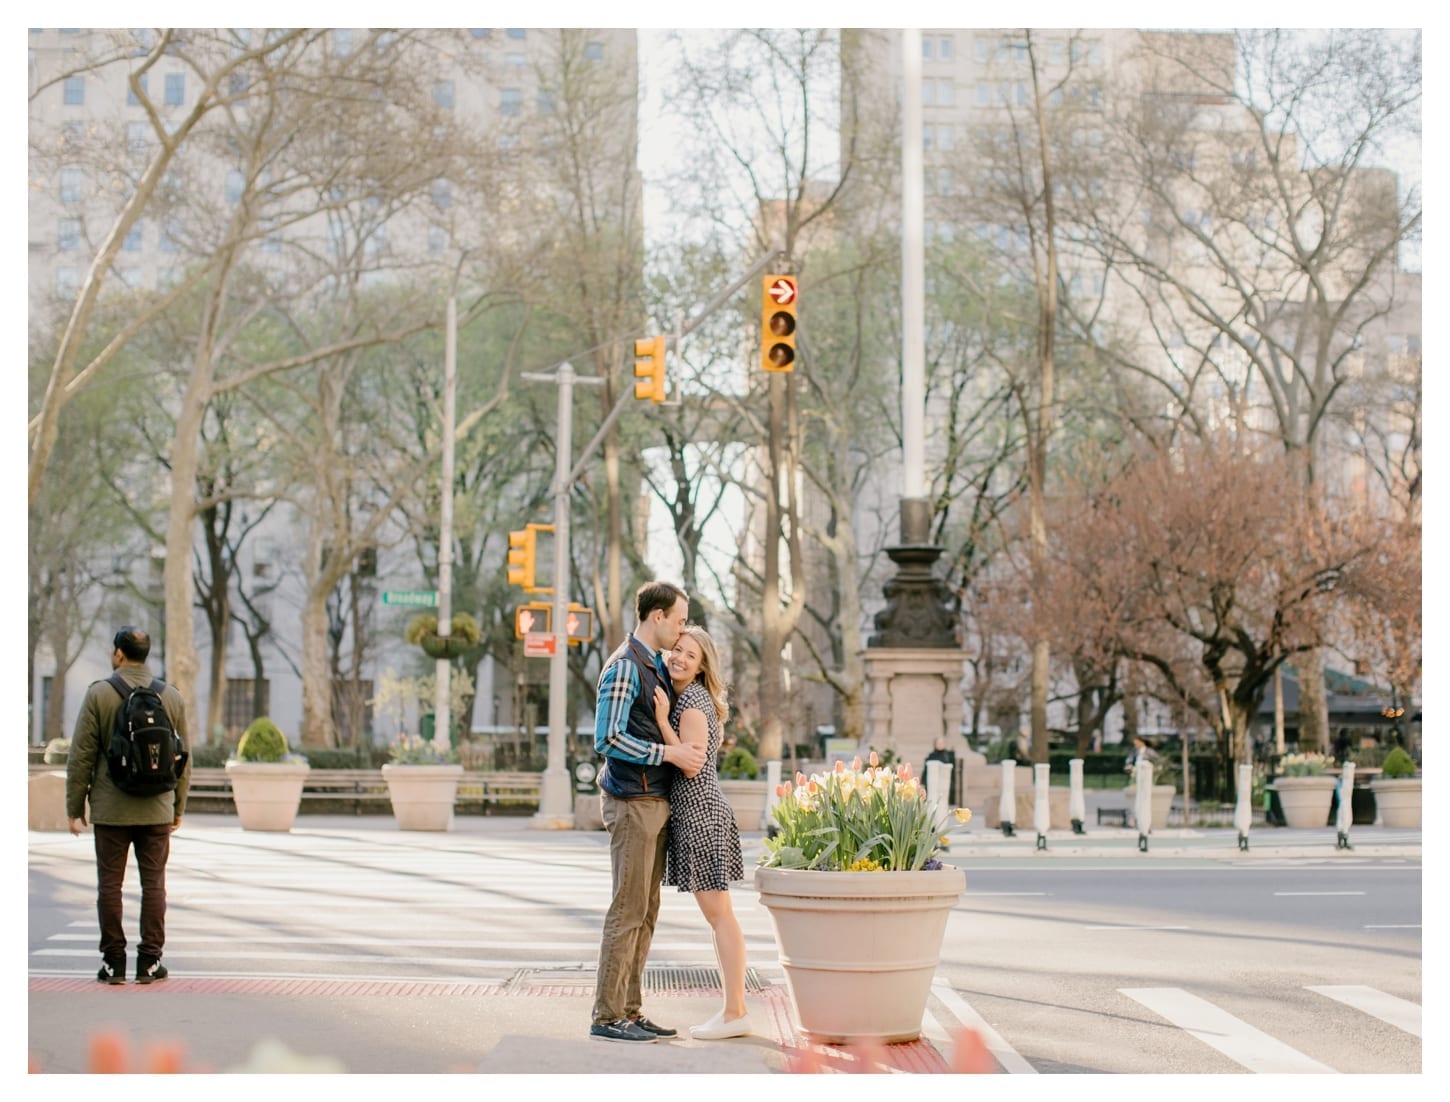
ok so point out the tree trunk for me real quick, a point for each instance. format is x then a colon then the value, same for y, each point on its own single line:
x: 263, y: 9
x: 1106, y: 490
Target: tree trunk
x: 1313, y: 703
x: 317, y: 726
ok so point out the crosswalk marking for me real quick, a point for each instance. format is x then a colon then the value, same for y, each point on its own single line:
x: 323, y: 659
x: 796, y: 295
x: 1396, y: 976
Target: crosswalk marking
x: 1007, y: 1056
x: 1240, y: 1042
x: 1400, y: 1013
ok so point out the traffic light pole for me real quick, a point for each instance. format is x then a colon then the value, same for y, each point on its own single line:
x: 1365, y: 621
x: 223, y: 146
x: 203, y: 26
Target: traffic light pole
x: 556, y: 810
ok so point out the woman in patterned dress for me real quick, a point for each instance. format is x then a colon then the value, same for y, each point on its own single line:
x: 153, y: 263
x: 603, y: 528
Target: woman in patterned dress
x: 704, y: 848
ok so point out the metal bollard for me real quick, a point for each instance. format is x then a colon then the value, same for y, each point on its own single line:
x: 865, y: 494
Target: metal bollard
x: 1076, y: 799
x: 772, y: 782
x: 1007, y: 805
x: 1041, y: 810
x: 1346, y: 805
x: 1244, y: 806
x: 938, y: 784
x: 1143, y: 803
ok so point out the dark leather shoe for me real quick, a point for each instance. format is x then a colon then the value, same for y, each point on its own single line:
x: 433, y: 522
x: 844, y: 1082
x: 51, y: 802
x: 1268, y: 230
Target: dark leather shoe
x: 651, y: 1027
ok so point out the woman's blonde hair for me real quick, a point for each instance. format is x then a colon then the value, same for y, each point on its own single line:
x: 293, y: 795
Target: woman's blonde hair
x: 709, y: 674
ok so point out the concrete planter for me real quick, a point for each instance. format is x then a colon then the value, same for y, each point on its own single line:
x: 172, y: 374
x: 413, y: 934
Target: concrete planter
x: 1305, y: 800
x: 859, y: 948
x: 1162, y: 803
x: 423, y: 795
x: 747, y: 801
x: 267, y: 793
x: 47, y: 802
x: 1398, y: 800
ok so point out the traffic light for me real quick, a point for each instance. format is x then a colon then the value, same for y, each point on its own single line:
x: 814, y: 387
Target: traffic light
x: 532, y: 617
x: 579, y: 624
x: 650, y: 366
x: 777, y: 323
x: 523, y: 558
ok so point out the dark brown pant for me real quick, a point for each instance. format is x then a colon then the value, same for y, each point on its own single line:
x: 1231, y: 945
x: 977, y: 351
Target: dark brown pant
x: 153, y: 847
x: 637, y: 863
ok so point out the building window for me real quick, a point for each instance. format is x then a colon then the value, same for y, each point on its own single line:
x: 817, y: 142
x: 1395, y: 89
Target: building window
x: 944, y: 48
x: 548, y: 103
x: 594, y: 51
x: 170, y: 238
x: 66, y: 282
x: 946, y: 92
x: 237, y: 84
x: 131, y: 98
x: 70, y: 234
x: 74, y: 91
x: 443, y: 93
x: 235, y: 183
x: 479, y: 32
x: 132, y: 243
x: 442, y: 193
x: 510, y: 101
x: 375, y: 242
x: 984, y: 93
x: 927, y: 51
x: 246, y: 700
x: 945, y: 136
x: 131, y: 277
x: 1054, y: 52
x: 984, y: 50
x: 342, y: 43
x: 175, y: 89
x: 928, y: 92
x: 138, y: 136
x: 515, y: 57
x: 437, y: 240
x: 272, y: 243
x: 516, y: 32
x: 508, y: 141
x: 70, y: 185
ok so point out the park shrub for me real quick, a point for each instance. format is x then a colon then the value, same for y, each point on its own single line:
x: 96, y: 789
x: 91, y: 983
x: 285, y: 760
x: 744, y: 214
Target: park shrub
x: 739, y: 764
x: 263, y: 740
x: 1398, y: 764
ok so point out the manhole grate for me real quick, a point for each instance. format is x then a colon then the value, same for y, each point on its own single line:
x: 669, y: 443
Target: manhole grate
x: 658, y: 979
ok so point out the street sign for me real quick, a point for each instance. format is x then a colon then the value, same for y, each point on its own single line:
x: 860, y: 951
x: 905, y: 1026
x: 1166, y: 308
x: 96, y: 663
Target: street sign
x: 414, y: 598
x: 539, y: 645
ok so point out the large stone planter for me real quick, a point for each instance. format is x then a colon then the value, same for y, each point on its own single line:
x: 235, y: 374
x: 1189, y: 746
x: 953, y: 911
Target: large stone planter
x: 1162, y: 802
x: 859, y: 948
x: 47, y: 802
x: 747, y: 801
x: 1305, y: 800
x: 1398, y: 801
x: 423, y: 795
x: 267, y: 793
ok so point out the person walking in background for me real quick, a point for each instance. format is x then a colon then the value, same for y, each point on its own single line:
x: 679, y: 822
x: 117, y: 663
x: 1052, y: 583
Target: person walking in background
x: 639, y: 769
x: 122, y: 821
x: 704, y: 846
x: 1141, y: 752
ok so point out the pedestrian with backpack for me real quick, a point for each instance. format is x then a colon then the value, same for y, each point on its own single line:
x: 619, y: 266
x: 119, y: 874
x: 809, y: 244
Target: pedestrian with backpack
x: 130, y: 759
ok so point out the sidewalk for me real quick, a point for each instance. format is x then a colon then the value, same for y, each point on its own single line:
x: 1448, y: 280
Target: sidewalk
x: 539, y: 1024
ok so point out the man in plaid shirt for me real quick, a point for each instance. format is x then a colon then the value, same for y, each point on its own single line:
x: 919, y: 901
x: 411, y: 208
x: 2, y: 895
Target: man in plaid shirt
x: 635, y: 784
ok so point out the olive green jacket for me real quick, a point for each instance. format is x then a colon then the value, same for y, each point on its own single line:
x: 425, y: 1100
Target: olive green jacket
x: 87, y: 775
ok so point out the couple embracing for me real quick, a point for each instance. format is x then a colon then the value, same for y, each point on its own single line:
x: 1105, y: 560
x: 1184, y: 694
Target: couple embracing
x: 658, y: 721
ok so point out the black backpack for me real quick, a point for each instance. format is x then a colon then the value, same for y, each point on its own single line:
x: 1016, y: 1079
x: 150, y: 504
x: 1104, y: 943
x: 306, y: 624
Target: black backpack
x: 146, y: 755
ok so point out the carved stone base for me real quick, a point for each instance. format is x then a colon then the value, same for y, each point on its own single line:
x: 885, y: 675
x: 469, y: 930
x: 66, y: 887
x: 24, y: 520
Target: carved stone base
x: 913, y: 697
x: 920, y: 610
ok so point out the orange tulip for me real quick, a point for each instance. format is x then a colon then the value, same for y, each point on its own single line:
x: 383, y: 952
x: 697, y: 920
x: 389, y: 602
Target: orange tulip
x: 108, y: 1053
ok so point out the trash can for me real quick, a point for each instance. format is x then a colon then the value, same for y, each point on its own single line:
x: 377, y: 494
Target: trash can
x: 425, y: 727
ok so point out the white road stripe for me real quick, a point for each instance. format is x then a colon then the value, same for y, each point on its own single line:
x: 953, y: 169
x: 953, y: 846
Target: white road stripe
x: 1319, y: 893
x: 360, y: 940
x: 705, y: 951
x: 1011, y: 1061
x: 1135, y: 927
x: 1415, y: 926
x: 1240, y: 1042
x: 978, y: 895
x: 1400, y: 1013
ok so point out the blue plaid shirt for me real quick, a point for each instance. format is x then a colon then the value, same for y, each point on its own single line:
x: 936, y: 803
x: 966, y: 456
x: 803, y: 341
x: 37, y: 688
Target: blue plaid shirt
x: 619, y: 687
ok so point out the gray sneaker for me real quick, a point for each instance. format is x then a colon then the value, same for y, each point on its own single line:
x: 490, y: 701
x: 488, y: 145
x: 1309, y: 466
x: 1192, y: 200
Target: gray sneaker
x: 622, y: 1030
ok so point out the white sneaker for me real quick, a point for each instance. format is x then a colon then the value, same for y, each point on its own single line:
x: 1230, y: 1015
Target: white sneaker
x: 718, y: 1029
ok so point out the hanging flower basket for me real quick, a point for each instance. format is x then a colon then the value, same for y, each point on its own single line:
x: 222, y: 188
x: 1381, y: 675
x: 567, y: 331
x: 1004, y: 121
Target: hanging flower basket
x: 463, y: 635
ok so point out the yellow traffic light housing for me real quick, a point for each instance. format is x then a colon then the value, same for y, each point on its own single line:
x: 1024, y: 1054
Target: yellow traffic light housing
x: 579, y: 624
x: 778, y: 323
x: 649, y: 366
x: 523, y: 558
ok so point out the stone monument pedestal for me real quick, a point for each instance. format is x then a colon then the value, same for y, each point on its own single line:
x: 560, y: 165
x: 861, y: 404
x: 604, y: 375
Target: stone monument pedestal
x: 913, y: 698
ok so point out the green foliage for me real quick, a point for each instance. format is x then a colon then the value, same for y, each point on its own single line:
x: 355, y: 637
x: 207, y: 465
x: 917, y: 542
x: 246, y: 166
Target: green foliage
x: 1398, y: 763
x: 1304, y: 765
x: 338, y: 757
x: 855, y: 820
x: 212, y: 755
x: 263, y: 740
x: 1368, y: 757
x: 739, y: 764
